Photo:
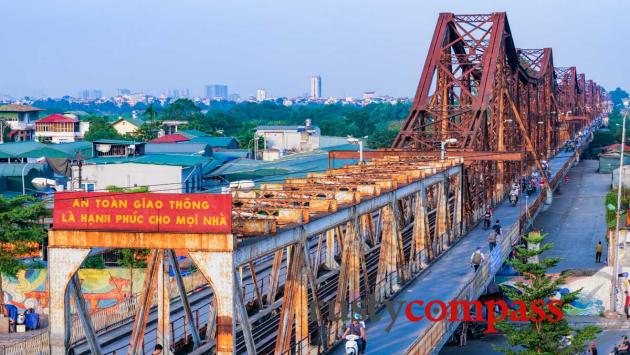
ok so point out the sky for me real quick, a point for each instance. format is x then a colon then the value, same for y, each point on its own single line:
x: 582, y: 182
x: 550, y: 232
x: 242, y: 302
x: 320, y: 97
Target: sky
x: 58, y: 47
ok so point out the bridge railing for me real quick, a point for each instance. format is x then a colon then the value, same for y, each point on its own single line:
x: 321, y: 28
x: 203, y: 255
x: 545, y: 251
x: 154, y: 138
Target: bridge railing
x: 431, y: 337
x: 126, y: 309
x: 37, y: 345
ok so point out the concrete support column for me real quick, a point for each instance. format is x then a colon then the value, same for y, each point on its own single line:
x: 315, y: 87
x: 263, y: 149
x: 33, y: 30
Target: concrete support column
x: 63, y: 264
x: 222, y: 281
x: 419, y: 234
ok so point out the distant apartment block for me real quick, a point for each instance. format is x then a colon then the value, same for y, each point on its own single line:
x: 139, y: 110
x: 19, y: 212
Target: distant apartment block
x: 88, y: 94
x: 316, y: 86
x: 60, y: 129
x: 20, y: 120
x: 217, y: 92
x: 261, y: 95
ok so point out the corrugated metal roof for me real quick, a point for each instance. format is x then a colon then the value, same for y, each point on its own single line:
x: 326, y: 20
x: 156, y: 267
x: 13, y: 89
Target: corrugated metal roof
x: 155, y: 159
x: 33, y: 149
x: 215, y: 142
x: 19, y: 108
x: 116, y: 141
x: 57, y: 118
x: 170, y: 138
x: 175, y: 148
x: 192, y: 133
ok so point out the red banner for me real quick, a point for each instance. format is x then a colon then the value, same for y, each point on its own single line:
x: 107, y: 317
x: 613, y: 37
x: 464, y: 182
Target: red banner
x: 143, y: 212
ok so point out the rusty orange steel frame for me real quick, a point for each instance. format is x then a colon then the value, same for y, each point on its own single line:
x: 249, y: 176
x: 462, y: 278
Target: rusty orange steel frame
x: 478, y: 88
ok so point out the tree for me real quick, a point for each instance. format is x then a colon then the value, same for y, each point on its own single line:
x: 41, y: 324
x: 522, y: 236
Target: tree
x: 20, y: 233
x: 133, y: 258
x: 617, y: 96
x: 100, y: 128
x: 146, y: 132
x: 181, y: 109
x: 539, y: 335
x: 151, y: 113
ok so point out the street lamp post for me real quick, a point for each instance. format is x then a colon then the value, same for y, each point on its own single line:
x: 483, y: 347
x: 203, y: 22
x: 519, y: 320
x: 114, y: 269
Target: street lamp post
x: 443, y: 147
x: 359, y: 142
x: 615, y: 271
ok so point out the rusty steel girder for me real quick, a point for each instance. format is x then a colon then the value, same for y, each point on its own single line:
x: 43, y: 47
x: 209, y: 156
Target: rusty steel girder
x: 478, y: 88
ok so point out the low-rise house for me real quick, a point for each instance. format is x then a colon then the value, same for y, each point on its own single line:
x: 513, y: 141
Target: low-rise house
x: 58, y: 128
x: 127, y: 125
x: 20, y: 120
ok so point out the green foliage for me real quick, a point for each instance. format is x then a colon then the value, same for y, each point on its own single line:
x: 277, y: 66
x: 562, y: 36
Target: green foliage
x: 100, y: 128
x: 617, y: 96
x: 541, y: 337
x: 139, y: 189
x: 181, y: 109
x: 94, y: 262
x: 145, y: 132
x: 133, y: 258
x: 18, y: 231
x: 380, y: 122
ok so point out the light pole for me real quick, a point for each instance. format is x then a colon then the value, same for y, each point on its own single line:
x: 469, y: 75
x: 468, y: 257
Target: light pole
x: 615, y: 271
x: 443, y: 147
x: 359, y: 142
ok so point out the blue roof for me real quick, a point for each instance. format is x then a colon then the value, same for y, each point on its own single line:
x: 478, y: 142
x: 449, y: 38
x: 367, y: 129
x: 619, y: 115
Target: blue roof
x: 188, y: 148
x: 192, y: 133
x: 154, y: 159
x: 33, y: 149
x: 116, y: 141
x: 216, y: 142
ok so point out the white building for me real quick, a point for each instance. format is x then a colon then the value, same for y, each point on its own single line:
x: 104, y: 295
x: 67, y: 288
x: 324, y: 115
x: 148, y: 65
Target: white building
x: 167, y: 173
x: 60, y: 129
x: 261, y: 95
x: 316, y: 86
x: 290, y: 138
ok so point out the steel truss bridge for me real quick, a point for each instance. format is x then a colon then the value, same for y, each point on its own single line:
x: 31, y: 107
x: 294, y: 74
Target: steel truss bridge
x: 306, y: 248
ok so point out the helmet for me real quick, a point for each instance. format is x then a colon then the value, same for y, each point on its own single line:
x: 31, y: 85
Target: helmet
x: 357, y: 316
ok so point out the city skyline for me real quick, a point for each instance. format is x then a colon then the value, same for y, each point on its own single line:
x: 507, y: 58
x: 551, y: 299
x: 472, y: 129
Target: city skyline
x: 360, y: 46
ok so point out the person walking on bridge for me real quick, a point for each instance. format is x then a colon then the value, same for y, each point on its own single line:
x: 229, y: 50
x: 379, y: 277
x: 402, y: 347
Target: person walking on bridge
x: 477, y: 258
x: 598, y: 252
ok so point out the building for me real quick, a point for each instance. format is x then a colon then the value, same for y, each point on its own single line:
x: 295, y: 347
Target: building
x: 316, y: 87
x: 368, y: 95
x: 87, y: 94
x: 19, y: 119
x: 217, y: 143
x: 170, y: 127
x: 217, y: 92
x: 290, y: 138
x: 170, y: 138
x: 163, y: 173
x: 261, y: 95
x: 184, y: 148
x: 117, y: 148
x: 60, y: 129
x: 127, y: 125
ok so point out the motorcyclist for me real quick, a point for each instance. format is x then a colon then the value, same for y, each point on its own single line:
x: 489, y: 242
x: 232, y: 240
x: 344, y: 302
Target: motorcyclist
x: 356, y: 328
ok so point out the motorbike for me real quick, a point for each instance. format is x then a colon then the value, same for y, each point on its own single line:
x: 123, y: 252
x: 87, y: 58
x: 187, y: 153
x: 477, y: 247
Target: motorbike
x: 513, y: 199
x: 352, y: 347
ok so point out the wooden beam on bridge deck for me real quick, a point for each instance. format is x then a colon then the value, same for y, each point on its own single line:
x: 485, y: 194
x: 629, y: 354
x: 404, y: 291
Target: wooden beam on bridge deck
x: 467, y: 155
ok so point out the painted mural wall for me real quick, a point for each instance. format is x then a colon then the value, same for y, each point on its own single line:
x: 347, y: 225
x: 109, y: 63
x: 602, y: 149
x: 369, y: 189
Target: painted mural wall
x: 101, y: 287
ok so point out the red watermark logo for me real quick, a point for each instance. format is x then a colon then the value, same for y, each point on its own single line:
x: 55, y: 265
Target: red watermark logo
x: 491, y: 311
